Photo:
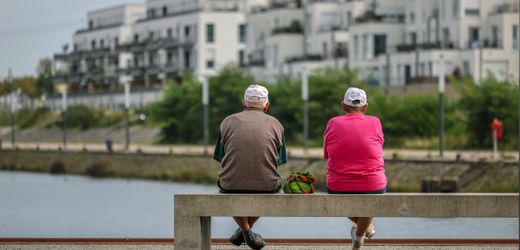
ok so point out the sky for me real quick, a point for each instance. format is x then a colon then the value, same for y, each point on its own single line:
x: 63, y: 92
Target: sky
x: 34, y: 29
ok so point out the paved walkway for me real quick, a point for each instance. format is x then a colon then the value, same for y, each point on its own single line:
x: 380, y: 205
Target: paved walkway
x: 292, y: 151
x: 228, y: 247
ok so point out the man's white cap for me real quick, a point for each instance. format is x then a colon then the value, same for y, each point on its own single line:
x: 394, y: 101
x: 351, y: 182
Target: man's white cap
x: 355, y: 97
x: 256, y: 93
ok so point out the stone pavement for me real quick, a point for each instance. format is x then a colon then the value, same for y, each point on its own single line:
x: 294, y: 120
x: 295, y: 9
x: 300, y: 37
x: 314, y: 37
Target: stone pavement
x: 229, y: 247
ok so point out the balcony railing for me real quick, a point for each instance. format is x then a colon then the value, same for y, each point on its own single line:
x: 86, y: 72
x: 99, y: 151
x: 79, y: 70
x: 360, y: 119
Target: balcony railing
x: 305, y: 58
x: 370, y: 16
x: 294, y: 28
x: 423, y: 46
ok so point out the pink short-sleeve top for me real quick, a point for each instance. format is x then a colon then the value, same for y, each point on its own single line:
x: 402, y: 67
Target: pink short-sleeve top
x: 353, y: 148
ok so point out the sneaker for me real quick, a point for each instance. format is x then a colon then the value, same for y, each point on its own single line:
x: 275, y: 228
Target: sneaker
x: 237, y: 238
x: 370, y: 232
x: 253, y: 240
x: 357, y: 242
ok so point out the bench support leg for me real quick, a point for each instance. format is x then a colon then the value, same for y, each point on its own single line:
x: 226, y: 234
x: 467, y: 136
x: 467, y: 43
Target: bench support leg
x: 192, y: 232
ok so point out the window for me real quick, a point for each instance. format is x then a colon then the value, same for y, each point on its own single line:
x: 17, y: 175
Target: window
x: 169, y: 33
x: 494, y: 36
x: 90, y: 24
x: 465, y: 67
x: 379, y: 44
x: 75, y: 47
x: 93, y: 44
x: 101, y: 43
x: 472, y: 12
x: 349, y: 18
x: 456, y: 7
x: 473, y: 37
x: 241, y: 61
x: 116, y: 41
x: 365, y: 45
x: 471, y: 7
x: 187, y: 58
x: 210, y: 60
x: 210, y: 33
x: 164, y: 10
x: 242, y: 32
x: 187, y: 32
x: 325, y: 49
x: 412, y: 17
x: 151, y: 13
x: 413, y: 38
x: 515, y: 37
x: 136, y: 38
x: 446, y: 36
x: 356, y: 46
x: 150, y: 35
x: 169, y: 57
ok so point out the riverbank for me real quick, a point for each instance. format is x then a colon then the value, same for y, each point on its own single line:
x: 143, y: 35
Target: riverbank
x: 403, y: 175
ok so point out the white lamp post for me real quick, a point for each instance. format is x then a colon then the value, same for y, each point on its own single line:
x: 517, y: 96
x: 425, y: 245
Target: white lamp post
x: 62, y: 88
x: 441, y: 105
x: 305, y: 98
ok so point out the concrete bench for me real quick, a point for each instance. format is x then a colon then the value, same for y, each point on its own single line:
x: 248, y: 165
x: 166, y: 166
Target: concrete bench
x: 193, y: 212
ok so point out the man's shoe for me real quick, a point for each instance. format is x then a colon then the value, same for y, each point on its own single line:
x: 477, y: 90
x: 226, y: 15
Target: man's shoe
x: 253, y: 240
x: 237, y: 238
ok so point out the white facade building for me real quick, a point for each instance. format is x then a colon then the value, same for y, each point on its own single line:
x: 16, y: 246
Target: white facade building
x: 144, y: 44
x: 392, y: 42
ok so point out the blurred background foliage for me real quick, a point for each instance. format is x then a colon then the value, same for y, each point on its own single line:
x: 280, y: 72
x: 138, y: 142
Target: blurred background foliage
x: 409, y: 121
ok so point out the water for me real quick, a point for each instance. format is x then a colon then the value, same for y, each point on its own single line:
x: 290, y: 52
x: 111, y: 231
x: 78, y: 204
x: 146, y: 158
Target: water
x: 43, y: 205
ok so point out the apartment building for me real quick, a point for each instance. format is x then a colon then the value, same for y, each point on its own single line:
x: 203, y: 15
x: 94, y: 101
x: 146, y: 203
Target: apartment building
x: 470, y: 37
x: 95, y: 57
x: 391, y: 43
x: 147, y: 44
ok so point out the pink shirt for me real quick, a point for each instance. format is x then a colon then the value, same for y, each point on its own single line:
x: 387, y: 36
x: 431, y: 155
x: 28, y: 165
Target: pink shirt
x: 353, y: 148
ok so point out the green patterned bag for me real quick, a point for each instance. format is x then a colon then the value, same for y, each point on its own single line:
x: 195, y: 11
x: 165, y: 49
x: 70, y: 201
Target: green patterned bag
x: 299, y: 183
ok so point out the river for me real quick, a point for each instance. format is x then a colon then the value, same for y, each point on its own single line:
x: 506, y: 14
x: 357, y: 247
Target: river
x: 44, y: 205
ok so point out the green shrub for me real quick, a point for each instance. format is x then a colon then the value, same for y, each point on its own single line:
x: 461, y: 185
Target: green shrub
x: 57, y: 167
x: 100, y: 169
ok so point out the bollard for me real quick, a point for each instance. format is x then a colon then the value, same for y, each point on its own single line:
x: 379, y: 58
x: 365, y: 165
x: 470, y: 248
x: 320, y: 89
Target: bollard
x: 449, y: 185
x: 430, y: 184
x: 108, y: 144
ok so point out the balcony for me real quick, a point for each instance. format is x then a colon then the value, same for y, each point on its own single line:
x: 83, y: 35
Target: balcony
x: 305, y: 58
x: 294, y: 28
x: 155, y: 44
x: 257, y: 63
x: 370, y: 16
x: 423, y: 46
x: 294, y: 4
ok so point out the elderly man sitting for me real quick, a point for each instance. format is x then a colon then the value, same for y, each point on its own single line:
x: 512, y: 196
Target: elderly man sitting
x: 250, y: 147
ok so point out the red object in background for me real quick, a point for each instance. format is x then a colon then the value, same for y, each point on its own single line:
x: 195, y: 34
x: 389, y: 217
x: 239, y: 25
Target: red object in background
x: 497, y: 124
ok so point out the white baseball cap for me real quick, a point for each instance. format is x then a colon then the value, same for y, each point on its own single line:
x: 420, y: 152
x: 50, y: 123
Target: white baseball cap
x: 256, y: 93
x: 355, y: 97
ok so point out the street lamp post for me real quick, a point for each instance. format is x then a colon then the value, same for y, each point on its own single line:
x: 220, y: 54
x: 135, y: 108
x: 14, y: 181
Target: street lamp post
x: 441, y: 106
x: 205, y: 103
x: 12, y: 109
x: 127, y: 118
x: 305, y: 98
x: 62, y: 88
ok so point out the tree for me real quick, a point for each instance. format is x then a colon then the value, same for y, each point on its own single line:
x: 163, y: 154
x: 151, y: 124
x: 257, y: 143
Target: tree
x: 482, y: 103
x: 44, y: 79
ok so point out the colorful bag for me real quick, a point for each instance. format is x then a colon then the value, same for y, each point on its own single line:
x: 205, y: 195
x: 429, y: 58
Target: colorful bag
x: 299, y: 183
